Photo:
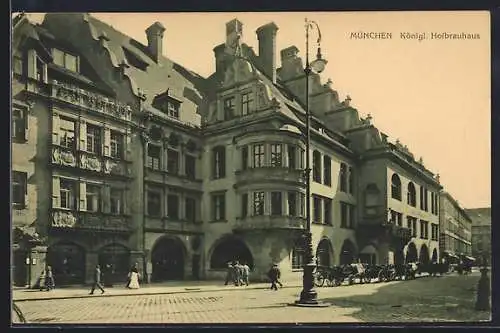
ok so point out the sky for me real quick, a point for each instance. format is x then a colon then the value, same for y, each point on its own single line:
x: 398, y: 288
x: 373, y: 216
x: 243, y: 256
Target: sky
x: 434, y: 95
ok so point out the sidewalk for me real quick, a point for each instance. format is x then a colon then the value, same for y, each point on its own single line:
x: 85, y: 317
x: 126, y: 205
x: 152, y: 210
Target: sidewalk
x: 174, y: 287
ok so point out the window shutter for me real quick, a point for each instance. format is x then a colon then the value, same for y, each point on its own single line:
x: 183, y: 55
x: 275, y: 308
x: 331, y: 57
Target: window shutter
x: 26, y: 124
x: 56, y: 192
x: 83, y: 196
x: 32, y: 64
x: 55, y: 129
x: 25, y: 184
x: 107, y: 142
x: 83, y: 135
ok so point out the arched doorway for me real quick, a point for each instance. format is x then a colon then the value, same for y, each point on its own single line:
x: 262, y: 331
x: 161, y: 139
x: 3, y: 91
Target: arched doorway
x: 347, y: 253
x: 424, y: 254
x: 230, y: 249
x: 167, y: 258
x: 68, y: 263
x: 434, y: 256
x: 368, y: 255
x: 114, y: 260
x: 411, y: 253
x: 324, y: 253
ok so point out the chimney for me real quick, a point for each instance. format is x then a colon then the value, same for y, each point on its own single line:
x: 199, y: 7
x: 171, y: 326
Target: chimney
x: 155, y: 40
x: 267, y: 49
x: 234, y: 32
x: 219, y: 53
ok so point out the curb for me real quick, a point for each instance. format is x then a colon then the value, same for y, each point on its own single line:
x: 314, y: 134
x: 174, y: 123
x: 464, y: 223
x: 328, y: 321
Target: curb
x: 185, y: 291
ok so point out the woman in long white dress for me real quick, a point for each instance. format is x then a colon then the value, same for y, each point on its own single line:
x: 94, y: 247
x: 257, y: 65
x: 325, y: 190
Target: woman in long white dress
x: 134, y: 280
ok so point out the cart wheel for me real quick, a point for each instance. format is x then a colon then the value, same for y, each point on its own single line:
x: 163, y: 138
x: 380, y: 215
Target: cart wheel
x: 319, y: 280
x: 330, y: 283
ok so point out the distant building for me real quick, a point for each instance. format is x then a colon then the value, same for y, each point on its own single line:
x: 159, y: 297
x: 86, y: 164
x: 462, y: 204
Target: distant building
x: 481, y: 234
x: 124, y: 156
x: 455, y: 230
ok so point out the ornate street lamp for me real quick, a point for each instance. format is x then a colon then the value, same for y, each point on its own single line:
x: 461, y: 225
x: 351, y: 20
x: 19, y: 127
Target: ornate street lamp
x: 308, y: 296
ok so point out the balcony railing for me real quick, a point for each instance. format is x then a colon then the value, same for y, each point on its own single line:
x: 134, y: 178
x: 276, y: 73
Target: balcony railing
x: 166, y: 224
x: 65, y: 219
x: 272, y: 174
x: 83, y: 160
x: 266, y: 222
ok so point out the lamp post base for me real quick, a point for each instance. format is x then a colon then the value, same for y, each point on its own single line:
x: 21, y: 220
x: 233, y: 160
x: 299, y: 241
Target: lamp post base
x: 309, y: 296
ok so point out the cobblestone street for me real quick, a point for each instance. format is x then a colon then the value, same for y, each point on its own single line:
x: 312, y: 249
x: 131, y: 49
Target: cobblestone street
x: 448, y: 298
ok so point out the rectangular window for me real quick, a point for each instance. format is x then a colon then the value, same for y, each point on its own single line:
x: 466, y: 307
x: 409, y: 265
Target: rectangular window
x: 302, y: 203
x: 67, y: 133
x: 327, y: 170
x: 258, y: 156
x: 422, y: 203
x: 66, y: 60
x: 116, y: 144
x: 328, y: 211
x: 246, y: 103
x: 244, y: 205
x: 344, y: 218
x: 244, y: 158
x: 190, y: 210
x: 426, y: 200
x: 351, y: 180
x: 317, y: 213
x: 258, y: 203
x: 396, y: 218
x: 153, y: 161
x: 154, y: 203
x: 218, y: 207
x: 18, y: 125
x: 93, y: 196
x: 276, y: 155
x: 190, y: 166
x: 343, y: 177
x: 316, y: 169
x: 292, y: 203
x: 301, y: 158
x: 173, y: 206
x: 172, y: 161
x: 352, y: 216
x: 219, y: 162
x: 292, y: 156
x: 229, y: 108
x: 17, y: 65
x: 422, y: 229
x: 298, y: 255
x: 94, y: 139
x: 116, y: 201
x: 68, y: 194
x: 19, y: 189
x: 173, y: 110
x: 276, y: 203
x: 40, y: 72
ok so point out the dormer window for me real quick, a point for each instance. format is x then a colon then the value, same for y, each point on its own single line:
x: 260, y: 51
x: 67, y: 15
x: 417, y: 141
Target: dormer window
x: 168, y: 104
x: 229, y: 108
x: 65, y: 60
x: 173, y: 109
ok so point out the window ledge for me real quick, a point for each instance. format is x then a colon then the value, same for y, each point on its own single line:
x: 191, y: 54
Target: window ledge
x: 19, y: 140
x: 296, y: 270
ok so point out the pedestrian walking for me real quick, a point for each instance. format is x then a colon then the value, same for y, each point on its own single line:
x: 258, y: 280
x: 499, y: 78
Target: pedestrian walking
x: 97, y: 280
x: 237, y: 275
x: 274, y: 275
x: 245, y: 273
x: 41, y: 280
x: 131, y: 272
x: 229, y: 273
x: 49, y: 279
x: 134, y: 278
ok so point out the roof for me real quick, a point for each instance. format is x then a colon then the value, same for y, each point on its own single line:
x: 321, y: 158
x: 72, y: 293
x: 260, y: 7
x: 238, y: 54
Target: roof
x: 151, y: 77
x: 456, y: 204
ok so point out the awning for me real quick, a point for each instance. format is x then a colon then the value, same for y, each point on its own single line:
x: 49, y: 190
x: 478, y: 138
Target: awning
x: 470, y: 258
x: 453, y: 255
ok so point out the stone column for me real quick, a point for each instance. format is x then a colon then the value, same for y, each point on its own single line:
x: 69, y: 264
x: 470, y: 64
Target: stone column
x: 92, y: 259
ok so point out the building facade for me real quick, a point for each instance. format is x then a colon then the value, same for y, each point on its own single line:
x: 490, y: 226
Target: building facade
x: 151, y: 163
x: 455, y: 231
x: 481, y: 234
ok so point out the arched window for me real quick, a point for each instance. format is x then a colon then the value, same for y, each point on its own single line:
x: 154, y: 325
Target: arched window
x: 317, y: 166
x: 68, y: 263
x: 327, y: 170
x: 412, y: 195
x: 396, y: 187
x: 114, y: 260
x: 324, y: 253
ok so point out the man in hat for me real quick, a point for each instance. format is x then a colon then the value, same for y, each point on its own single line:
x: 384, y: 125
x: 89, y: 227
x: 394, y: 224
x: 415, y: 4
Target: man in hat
x: 274, y: 275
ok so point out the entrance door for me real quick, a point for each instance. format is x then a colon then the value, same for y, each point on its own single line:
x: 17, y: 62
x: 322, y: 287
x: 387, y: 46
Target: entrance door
x: 20, y: 268
x: 68, y: 263
x: 167, y: 258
